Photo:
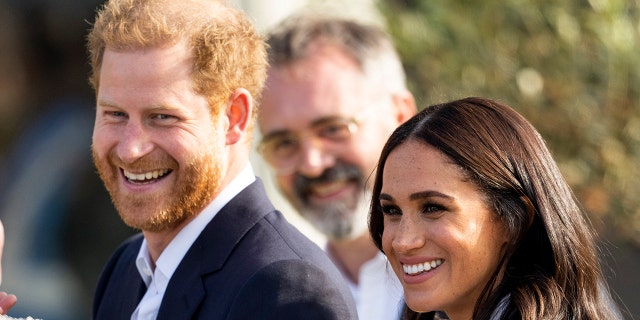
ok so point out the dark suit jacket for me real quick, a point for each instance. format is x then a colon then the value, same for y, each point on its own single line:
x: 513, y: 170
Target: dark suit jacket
x: 248, y: 263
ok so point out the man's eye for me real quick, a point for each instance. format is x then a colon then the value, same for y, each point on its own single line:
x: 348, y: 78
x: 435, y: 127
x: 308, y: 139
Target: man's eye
x: 161, y: 116
x: 117, y: 114
x: 334, y: 131
x: 284, y: 145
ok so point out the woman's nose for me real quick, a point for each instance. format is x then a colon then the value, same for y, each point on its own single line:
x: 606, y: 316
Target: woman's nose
x: 409, y: 235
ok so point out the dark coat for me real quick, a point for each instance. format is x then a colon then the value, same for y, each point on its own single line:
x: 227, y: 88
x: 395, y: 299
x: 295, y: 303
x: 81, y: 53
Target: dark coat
x: 248, y: 263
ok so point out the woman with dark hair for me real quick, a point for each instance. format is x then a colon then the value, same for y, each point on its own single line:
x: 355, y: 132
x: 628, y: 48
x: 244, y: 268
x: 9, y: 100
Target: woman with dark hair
x: 478, y: 223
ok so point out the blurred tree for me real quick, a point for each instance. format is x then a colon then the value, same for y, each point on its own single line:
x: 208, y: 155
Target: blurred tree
x: 571, y: 67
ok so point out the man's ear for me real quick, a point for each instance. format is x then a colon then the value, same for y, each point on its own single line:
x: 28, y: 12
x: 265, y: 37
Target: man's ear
x: 239, y: 114
x: 405, y: 105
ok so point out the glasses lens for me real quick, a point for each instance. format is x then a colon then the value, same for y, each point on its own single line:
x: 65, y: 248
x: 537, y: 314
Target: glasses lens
x: 337, y: 130
x: 279, y: 148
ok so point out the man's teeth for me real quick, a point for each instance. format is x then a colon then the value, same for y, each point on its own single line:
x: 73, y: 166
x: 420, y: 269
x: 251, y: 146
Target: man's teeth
x: 325, y: 189
x: 412, y: 269
x: 145, y: 176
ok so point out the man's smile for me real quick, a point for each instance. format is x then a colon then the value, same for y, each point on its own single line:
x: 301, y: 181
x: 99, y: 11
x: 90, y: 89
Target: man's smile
x: 145, y: 177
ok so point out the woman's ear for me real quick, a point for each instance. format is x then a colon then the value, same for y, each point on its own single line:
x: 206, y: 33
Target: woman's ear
x: 239, y: 114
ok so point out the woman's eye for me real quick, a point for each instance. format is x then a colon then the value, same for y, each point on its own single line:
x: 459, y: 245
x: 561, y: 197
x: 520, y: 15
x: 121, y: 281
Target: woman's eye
x: 390, y: 210
x: 431, y: 208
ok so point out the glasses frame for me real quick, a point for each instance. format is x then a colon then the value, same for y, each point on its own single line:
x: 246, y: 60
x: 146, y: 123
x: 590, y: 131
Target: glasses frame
x: 287, y: 165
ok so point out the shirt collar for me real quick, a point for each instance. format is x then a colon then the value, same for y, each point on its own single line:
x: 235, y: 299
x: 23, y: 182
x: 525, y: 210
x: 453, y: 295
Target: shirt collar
x: 172, y: 255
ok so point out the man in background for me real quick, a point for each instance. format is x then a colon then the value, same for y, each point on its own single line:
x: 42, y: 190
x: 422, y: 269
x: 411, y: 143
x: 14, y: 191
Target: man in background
x: 176, y: 83
x: 335, y: 91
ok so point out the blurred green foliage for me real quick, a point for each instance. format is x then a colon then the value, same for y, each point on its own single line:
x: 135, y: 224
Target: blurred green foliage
x: 571, y: 67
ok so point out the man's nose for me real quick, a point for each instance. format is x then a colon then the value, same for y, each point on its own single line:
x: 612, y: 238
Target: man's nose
x: 313, y: 159
x: 134, y: 143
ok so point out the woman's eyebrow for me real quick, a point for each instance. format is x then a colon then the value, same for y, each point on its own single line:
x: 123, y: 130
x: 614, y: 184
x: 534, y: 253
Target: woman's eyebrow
x: 428, y: 194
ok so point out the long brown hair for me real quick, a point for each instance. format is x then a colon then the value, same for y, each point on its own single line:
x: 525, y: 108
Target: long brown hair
x: 551, y: 268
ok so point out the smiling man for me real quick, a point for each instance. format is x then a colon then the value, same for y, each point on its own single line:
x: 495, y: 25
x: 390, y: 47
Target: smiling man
x: 335, y: 91
x: 176, y: 84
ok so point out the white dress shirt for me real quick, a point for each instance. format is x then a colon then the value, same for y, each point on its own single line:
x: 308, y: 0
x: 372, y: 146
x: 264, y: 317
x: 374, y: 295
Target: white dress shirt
x: 378, y: 294
x: 158, y: 279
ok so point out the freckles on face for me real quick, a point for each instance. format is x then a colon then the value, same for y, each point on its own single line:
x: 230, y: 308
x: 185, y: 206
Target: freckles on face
x: 440, y: 237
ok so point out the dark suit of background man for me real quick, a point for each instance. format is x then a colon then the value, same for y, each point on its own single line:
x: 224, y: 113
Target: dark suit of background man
x: 176, y: 85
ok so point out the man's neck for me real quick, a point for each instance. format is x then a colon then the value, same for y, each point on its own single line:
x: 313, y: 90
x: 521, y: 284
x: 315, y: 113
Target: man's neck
x: 158, y: 241
x: 349, y: 255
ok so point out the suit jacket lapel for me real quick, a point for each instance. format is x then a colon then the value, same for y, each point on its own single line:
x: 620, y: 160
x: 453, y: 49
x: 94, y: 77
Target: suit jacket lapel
x: 132, y: 294
x: 122, y: 305
x: 211, y: 249
x: 120, y: 298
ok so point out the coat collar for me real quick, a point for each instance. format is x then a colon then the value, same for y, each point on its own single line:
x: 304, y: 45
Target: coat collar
x: 211, y: 249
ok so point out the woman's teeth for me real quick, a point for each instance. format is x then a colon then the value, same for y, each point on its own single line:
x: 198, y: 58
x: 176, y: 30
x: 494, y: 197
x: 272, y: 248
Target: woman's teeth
x: 412, y: 269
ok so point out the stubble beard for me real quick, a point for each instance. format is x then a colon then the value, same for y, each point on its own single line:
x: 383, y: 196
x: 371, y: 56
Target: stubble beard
x: 195, y: 187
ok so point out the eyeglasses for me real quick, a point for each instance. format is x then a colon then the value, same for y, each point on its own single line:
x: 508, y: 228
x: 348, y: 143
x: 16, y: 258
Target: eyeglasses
x: 282, y: 149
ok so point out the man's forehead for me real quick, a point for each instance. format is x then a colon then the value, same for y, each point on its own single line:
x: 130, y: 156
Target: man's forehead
x: 295, y: 119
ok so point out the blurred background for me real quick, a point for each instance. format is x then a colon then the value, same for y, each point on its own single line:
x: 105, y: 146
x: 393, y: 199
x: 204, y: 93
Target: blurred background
x: 571, y: 67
